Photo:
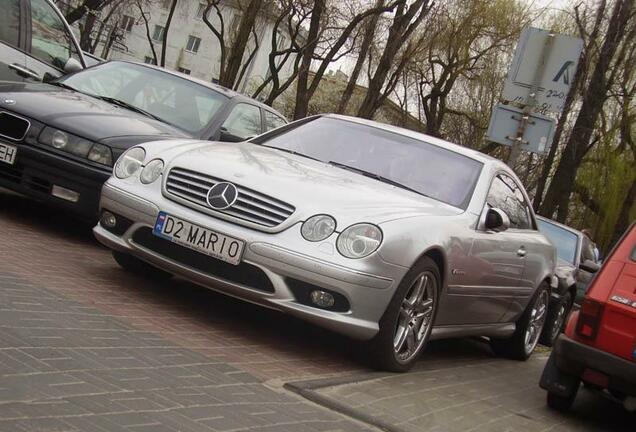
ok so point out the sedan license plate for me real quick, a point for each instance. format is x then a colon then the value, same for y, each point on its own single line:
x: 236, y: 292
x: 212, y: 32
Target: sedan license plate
x: 7, y: 153
x: 200, y: 239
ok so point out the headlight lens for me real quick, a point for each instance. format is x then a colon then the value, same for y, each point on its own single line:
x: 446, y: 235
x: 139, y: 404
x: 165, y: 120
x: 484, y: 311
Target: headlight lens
x: 130, y: 162
x: 101, y: 154
x: 359, y: 240
x: 66, y: 142
x: 318, y: 227
x: 151, y: 171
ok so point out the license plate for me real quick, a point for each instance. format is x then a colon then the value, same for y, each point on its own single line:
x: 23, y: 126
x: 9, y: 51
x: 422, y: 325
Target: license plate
x: 198, y: 238
x: 7, y: 153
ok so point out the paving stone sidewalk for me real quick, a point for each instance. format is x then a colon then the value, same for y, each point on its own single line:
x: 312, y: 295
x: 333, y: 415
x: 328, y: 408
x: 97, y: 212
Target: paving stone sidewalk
x: 66, y: 366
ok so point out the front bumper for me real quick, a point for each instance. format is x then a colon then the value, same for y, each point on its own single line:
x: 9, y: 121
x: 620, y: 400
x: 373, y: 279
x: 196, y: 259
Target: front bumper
x: 574, y: 358
x: 284, y: 258
x: 35, y: 172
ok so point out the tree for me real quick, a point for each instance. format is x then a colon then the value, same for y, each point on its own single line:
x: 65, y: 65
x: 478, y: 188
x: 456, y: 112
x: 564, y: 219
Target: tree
x: 145, y: 17
x: 580, y: 141
x: 164, y: 36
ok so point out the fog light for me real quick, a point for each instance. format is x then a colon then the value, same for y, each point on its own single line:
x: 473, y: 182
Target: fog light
x: 108, y: 220
x: 65, y: 194
x: 322, y: 299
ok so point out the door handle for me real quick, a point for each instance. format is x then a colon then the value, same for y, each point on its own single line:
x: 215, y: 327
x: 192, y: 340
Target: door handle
x: 522, y: 251
x: 21, y: 70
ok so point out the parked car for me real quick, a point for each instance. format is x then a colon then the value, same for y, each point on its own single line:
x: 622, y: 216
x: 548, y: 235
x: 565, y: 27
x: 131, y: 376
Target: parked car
x: 373, y: 231
x: 58, y: 141
x: 598, y: 346
x: 576, y: 265
x: 36, y: 42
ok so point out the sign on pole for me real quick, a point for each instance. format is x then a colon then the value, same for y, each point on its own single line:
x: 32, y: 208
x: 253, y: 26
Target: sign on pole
x: 559, y: 66
x: 504, y: 125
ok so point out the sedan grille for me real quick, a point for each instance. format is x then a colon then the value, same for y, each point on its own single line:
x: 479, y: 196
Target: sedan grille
x: 13, y: 127
x: 250, y: 205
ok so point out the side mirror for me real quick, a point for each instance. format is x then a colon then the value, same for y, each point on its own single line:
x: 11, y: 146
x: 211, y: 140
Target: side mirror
x: 497, y: 220
x: 589, y: 266
x: 228, y: 137
x: 72, y: 65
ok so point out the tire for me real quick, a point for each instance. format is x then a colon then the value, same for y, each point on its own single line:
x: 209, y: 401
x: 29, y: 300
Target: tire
x: 528, y: 328
x: 406, y: 325
x: 139, y: 267
x: 560, y: 403
x: 557, y: 318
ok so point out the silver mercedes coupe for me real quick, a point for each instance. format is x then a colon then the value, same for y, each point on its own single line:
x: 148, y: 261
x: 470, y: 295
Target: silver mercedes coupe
x: 380, y: 233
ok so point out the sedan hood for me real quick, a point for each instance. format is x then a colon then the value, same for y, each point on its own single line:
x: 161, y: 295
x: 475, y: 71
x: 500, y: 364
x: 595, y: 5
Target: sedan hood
x: 310, y: 186
x: 81, y: 114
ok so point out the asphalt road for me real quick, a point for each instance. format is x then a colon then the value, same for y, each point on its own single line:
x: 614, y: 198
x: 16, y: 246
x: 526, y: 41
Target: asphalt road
x: 87, y: 346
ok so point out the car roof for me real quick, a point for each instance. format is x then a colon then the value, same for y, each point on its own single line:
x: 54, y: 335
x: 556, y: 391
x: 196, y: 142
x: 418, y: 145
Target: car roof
x: 218, y: 88
x: 473, y: 154
x: 560, y: 225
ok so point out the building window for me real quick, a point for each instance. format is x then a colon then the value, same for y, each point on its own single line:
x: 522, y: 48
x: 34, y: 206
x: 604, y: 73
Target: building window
x: 193, y: 44
x: 158, y: 33
x: 149, y: 60
x: 184, y: 70
x: 127, y: 23
x: 201, y: 10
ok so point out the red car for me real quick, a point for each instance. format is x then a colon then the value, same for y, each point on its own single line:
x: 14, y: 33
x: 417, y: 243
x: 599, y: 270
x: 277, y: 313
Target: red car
x: 598, y: 346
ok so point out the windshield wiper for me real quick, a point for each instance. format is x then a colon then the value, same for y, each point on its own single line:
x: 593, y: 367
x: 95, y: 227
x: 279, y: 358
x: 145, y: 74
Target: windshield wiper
x: 376, y: 177
x: 128, y: 106
x: 61, y: 84
x: 291, y: 152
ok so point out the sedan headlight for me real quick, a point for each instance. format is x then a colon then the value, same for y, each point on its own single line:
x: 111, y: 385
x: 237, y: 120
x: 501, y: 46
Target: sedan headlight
x: 151, y: 171
x: 77, y: 146
x: 359, y: 240
x: 129, y: 162
x: 318, y: 227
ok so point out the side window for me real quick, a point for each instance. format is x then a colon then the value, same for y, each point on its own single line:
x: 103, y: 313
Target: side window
x: 505, y: 194
x: 272, y: 121
x: 244, y: 121
x: 10, y: 22
x: 50, y: 40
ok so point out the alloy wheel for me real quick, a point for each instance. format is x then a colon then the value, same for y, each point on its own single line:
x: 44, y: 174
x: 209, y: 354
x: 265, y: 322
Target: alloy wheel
x: 415, y: 317
x: 558, y: 321
x: 537, y: 320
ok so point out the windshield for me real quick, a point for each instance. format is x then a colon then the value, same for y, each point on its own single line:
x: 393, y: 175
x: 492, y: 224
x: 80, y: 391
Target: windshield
x: 425, y: 168
x: 564, y: 240
x: 177, y: 101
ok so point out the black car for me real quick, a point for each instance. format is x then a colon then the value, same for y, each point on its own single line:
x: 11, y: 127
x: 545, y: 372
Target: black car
x: 576, y: 265
x: 36, y: 43
x: 59, y: 140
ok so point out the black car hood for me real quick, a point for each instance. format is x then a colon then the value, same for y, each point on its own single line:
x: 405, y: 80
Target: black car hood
x: 81, y: 114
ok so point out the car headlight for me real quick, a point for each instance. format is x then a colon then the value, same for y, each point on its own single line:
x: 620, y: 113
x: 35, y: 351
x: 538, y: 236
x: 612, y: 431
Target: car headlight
x: 101, y: 154
x: 359, y: 240
x: 65, y: 141
x: 318, y: 227
x: 129, y: 162
x: 151, y: 171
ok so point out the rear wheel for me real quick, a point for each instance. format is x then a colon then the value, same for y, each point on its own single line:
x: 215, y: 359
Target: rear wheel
x: 406, y: 325
x: 139, y: 267
x: 528, y: 329
x: 557, y: 317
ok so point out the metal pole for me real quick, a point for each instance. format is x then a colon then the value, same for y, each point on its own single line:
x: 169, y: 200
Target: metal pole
x: 518, y: 140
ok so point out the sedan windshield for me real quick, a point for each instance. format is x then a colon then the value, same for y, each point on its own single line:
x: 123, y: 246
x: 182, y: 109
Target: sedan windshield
x: 564, y: 240
x: 172, y: 99
x: 387, y: 156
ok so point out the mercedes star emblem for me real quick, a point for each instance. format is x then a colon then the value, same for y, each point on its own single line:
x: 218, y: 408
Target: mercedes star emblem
x: 222, y: 196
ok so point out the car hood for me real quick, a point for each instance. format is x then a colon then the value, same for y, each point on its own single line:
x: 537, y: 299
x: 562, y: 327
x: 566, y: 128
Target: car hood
x: 81, y: 114
x: 310, y: 186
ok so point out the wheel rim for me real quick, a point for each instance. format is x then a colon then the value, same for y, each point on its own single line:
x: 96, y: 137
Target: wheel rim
x: 558, y: 321
x: 415, y: 317
x: 537, y: 320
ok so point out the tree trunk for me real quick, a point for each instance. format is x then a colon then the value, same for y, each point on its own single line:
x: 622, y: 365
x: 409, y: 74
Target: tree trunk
x: 623, y: 221
x: 238, y: 47
x: 367, y: 39
x: 148, y: 36
x: 558, y: 196
x: 302, y: 92
x: 164, y: 39
x: 82, y: 9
